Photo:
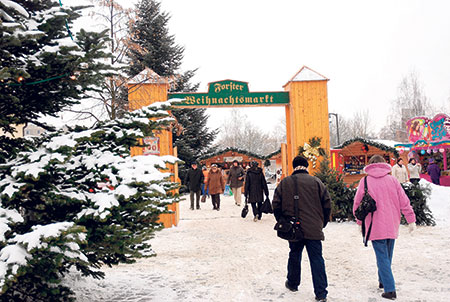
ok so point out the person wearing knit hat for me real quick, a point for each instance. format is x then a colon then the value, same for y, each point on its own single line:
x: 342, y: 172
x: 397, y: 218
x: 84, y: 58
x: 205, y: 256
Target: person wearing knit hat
x: 255, y: 189
x: 194, y: 180
x: 236, y: 180
x: 314, y: 207
x: 434, y: 171
x: 300, y: 163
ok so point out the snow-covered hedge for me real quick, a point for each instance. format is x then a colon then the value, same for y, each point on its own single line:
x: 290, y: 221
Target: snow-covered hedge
x: 80, y: 201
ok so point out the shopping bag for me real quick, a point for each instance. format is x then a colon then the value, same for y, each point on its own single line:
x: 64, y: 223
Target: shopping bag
x: 267, y: 207
x: 227, y: 191
x: 245, y: 209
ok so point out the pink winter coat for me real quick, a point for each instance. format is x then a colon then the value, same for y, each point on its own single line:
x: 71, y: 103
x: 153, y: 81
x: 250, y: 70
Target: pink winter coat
x: 391, y: 200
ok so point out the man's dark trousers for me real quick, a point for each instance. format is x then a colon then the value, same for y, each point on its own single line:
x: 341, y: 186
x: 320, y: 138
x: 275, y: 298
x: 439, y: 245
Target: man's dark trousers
x: 197, y: 197
x: 319, y: 276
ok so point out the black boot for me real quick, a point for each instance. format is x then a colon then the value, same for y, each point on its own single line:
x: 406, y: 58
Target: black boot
x: 289, y: 287
x: 380, y: 285
x: 389, y: 295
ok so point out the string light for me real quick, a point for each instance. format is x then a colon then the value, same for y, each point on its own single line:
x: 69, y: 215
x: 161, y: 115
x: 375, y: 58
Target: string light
x: 20, y: 79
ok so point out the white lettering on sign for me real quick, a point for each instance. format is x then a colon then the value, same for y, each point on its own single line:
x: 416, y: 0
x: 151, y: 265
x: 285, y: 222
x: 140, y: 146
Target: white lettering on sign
x: 232, y: 158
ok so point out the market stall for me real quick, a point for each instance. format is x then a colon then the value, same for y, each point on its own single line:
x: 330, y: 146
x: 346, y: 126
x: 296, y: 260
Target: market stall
x: 353, y: 155
x: 224, y: 158
x: 429, y: 138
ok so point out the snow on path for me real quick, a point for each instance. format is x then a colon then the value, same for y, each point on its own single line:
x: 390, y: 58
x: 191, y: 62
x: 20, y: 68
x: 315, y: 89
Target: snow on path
x: 218, y: 256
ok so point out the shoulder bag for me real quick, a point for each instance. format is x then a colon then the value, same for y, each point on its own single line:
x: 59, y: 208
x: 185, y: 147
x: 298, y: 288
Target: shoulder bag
x: 289, y: 228
x: 366, y: 207
x: 244, y: 209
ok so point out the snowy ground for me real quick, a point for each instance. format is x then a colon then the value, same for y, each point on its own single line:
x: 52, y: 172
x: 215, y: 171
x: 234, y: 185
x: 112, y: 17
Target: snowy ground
x: 218, y: 256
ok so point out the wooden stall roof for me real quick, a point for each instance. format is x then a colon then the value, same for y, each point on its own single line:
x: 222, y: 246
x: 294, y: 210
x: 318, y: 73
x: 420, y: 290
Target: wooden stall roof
x: 236, y: 150
x: 372, y: 143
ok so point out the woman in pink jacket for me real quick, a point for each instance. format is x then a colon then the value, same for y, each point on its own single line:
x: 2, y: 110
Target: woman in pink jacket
x: 391, y: 202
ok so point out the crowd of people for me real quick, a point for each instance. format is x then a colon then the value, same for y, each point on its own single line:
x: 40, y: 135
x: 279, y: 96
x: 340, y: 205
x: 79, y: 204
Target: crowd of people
x: 412, y: 171
x: 303, y: 202
x: 211, y: 183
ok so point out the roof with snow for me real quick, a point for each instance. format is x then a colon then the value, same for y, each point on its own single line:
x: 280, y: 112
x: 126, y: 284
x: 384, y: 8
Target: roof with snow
x: 148, y: 76
x: 307, y: 74
x: 386, y: 145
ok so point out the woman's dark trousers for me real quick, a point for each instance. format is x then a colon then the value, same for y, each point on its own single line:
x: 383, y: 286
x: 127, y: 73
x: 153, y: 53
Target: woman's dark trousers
x: 256, y: 207
x: 215, y: 198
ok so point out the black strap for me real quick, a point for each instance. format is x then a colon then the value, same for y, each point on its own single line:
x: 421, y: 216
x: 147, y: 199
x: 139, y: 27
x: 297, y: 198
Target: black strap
x: 366, y: 189
x: 366, y: 238
x: 296, y: 200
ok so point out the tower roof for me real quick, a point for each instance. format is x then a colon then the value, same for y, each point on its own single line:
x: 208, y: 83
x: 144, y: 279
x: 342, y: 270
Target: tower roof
x: 147, y: 76
x: 307, y: 74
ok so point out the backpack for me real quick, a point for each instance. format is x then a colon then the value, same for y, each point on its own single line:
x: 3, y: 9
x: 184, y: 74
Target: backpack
x: 367, y: 206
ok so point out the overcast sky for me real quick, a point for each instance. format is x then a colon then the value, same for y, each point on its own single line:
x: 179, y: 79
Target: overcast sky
x: 363, y: 47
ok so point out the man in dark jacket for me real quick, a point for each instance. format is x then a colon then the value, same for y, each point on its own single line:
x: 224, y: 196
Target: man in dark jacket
x: 255, y: 187
x: 194, y: 180
x: 314, y: 207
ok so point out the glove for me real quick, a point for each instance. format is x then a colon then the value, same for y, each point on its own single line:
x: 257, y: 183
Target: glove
x: 411, y: 227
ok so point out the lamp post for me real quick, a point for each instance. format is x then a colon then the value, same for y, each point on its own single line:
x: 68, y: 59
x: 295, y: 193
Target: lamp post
x: 337, y: 125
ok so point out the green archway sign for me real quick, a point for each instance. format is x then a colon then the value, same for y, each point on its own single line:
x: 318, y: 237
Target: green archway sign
x: 228, y: 93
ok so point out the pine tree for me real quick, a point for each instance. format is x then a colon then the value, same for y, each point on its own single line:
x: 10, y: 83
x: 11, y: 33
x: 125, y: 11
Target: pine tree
x: 156, y: 47
x: 342, y: 196
x: 418, y: 195
x: 39, y: 62
x: 80, y: 201
x: 157, y: 50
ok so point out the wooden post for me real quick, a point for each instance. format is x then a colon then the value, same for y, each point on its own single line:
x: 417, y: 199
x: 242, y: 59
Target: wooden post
x: 307, y: 113
x: 176, y: 216
x: 284, y: 163
x: 144, y: 94
x: 289, y: 147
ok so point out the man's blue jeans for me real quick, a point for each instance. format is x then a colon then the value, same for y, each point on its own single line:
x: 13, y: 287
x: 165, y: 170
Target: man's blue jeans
x: 319, y: 276
x: 384, y: 249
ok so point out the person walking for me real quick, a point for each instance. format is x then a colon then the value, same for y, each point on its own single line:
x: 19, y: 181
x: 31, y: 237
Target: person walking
x: 215, y: 185
x: 434, y: 171
x: 414, y: 169
x: 255, y: 188
x: 399, y: 171
x: 236, y: 181
x: 194, y: 180
x: 205, y: 172
x: 391, y: 201
x: 314, y: 208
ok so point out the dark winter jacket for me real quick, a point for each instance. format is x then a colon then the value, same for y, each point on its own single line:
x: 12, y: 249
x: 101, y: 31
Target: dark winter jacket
x: 233, y: 177
x: 434, y: 171
x: 194, y: 179
x: 255, y: 185
x: 314, y: 203
x: 215, y: 183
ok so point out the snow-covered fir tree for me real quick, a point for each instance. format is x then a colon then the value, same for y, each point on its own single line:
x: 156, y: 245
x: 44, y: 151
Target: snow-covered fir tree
x: 79, y: 201
x: 42, y: 69
x: 157, y: 50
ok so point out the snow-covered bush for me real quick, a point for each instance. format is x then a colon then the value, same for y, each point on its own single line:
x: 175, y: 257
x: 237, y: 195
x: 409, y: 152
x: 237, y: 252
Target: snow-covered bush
x: 80, y: 201
x: 418, y: 196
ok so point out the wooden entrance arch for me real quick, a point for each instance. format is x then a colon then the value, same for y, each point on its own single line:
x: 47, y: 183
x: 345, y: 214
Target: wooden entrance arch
x: 305, y: 99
